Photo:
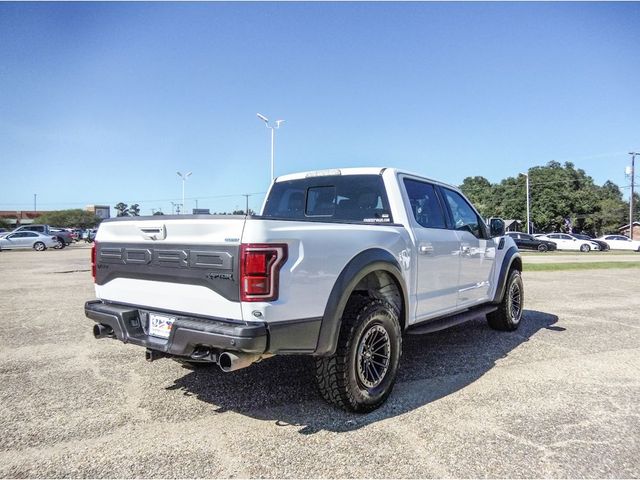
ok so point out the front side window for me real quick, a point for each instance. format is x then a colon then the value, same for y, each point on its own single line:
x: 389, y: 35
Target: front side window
x: 464, y: 217
x: 425, y: 204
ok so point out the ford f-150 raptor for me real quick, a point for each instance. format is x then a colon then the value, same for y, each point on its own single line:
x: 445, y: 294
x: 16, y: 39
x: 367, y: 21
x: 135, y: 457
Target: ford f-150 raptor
x: 339, y: 265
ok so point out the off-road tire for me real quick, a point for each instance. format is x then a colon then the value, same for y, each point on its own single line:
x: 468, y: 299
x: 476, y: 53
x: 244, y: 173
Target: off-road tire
x: 508, y: 316
x: 339, y: 378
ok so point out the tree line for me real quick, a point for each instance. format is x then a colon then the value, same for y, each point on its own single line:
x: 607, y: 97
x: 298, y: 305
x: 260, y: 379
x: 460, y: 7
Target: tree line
x: 562, y: 198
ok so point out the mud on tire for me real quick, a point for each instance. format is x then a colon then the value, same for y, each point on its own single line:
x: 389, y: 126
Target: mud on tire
x: 360, y: 375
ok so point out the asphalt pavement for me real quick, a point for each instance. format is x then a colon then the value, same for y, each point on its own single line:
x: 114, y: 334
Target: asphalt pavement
x: 557, y: 398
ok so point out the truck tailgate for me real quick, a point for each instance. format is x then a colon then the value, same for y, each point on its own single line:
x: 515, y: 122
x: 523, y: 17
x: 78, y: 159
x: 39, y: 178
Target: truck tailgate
x: 179, y: 263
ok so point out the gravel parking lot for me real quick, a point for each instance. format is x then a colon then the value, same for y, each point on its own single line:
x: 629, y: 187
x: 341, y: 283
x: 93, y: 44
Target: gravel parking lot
x: 557, y: 398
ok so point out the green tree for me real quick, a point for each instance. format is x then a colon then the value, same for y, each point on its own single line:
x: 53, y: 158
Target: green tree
x: 69, y: 218
x: 481, y: 193
x: 134, y: 210
x: 122, y: 209
x: 4, y: 223
x: 557, y: 193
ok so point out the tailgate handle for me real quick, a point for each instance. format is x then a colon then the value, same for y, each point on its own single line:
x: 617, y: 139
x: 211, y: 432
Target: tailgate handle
x: 154, y: 233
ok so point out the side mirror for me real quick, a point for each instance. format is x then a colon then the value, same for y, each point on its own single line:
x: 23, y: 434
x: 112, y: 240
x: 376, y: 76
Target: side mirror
x: 496, y: 227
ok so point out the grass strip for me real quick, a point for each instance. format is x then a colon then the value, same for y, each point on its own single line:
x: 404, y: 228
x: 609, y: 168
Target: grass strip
x: 550, y: 267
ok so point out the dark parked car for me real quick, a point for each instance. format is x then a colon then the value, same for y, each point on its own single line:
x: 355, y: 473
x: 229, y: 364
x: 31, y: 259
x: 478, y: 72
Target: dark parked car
x: 604, y: 246
x: 524, y: 241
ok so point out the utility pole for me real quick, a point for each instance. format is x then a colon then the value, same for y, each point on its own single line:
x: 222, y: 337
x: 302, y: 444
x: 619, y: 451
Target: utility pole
x: 246, y: 196
x: 633, y: 174
x: 528, y: 201
x: 35, y: 205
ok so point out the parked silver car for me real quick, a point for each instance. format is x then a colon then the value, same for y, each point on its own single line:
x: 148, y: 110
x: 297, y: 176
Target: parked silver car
x: 24, y: 239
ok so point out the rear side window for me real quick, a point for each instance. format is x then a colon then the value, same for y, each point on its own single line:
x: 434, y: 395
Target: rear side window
x: 348, y: 198
x: 425, y: 204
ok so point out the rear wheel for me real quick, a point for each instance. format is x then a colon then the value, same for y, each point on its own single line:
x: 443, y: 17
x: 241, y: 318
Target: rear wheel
x: 509, y: 313
x: 360, y: 375
x: 584, y: 247
x: 59, y: 243
x: 542, y: 247
x: 39, y: 246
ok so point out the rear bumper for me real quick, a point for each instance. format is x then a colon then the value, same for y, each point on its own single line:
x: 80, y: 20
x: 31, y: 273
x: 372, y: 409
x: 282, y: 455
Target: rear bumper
x: 189, y: 333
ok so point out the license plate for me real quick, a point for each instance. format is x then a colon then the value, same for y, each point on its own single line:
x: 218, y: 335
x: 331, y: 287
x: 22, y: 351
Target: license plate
x: 160, y: 325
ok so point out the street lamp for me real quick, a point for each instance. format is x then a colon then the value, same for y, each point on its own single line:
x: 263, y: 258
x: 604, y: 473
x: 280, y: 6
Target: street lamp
x: 273, y: 134
x: 632, y: 174
x: 184, y: 179
x: 528, y: 203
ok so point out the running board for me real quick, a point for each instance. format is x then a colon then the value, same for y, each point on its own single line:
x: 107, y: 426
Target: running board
x: 436, y: 325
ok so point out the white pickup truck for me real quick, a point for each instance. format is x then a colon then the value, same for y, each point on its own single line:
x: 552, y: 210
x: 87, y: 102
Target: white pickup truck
x: 338, y: 265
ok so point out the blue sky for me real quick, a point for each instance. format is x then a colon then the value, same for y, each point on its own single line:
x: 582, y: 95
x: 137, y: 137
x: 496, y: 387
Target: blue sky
x: 101, y: 103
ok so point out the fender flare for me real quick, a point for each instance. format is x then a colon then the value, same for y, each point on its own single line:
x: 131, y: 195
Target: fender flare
x: 511, y: 256
x: 366, y: 262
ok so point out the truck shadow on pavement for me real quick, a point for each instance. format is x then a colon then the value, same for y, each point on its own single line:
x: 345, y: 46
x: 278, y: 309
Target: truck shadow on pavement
x: 283, y: 390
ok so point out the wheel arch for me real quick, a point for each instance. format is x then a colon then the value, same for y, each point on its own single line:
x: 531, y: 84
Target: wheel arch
x: 374, y: 270
x: 512, y: 260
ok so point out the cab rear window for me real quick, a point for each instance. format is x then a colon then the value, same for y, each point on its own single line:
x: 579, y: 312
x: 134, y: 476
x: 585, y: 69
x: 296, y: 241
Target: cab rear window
x: 348, y: 198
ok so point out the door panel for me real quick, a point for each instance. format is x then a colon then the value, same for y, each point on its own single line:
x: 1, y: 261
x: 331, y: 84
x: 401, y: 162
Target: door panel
x: 438, y: 253
x: 437, y: 250
x: 477, y: 251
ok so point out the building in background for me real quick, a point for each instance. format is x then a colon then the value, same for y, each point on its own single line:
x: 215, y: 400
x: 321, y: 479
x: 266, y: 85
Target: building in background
x: 19, y: 217
x: 102, y: 211
x: 624, y: 230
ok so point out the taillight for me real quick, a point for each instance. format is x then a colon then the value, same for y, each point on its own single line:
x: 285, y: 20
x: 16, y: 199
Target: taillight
x: 93, y: 260
x: 259, y: 270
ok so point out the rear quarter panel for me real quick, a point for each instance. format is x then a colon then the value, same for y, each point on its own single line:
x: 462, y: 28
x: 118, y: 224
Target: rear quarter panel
x: 317, y: 254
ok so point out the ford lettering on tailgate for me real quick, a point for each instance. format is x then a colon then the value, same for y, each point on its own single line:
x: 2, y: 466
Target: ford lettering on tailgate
x: 210, y: 266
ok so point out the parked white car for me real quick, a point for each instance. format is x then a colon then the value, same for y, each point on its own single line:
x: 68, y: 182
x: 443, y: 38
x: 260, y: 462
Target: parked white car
x: 35, y: 240
x: 565, y: 241
x: 620, y: 242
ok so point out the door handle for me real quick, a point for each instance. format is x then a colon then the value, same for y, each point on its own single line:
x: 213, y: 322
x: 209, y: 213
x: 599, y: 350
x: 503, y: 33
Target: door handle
x: 154, y: 232
x: 425, y: 248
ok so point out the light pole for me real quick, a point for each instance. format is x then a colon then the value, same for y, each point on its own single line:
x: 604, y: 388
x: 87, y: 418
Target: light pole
x: 633, y: 167
x: 273, y: 136
x: 528, y: 216
x: 184, y: 179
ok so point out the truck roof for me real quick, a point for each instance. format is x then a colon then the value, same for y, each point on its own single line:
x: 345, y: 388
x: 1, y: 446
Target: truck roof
x: 354, y: 171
